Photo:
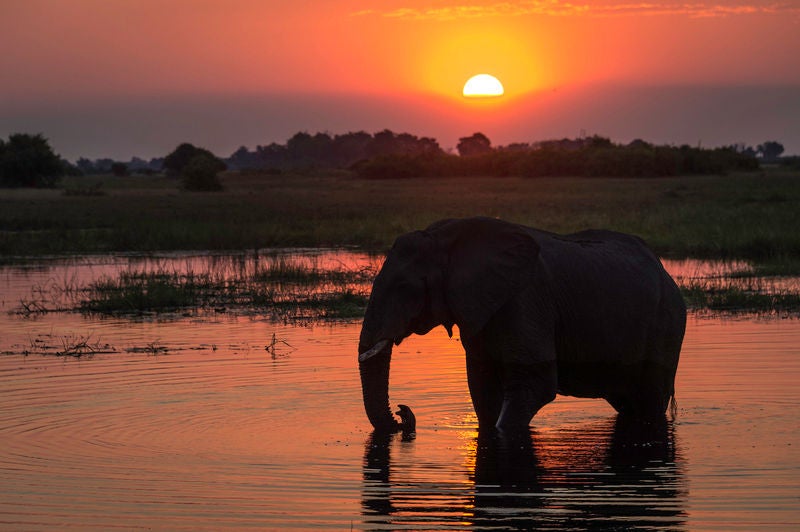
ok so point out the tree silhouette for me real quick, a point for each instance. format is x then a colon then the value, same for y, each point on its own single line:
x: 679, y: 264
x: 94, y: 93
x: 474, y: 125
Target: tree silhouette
x: 29, y: 161
x: 770, y: 150
x: 176, y: 161
x: 476, y: 144
x: 200, y: 173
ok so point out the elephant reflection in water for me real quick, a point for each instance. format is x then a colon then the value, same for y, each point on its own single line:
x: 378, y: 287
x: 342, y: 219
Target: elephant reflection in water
x: 613, y: 474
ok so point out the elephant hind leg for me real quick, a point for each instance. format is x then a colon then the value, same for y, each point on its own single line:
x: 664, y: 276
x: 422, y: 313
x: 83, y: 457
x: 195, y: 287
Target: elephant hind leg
x: 649, y: 397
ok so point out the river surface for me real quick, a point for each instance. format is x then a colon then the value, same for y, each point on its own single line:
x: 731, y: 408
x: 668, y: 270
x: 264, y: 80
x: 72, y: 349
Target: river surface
x: 217, y: 421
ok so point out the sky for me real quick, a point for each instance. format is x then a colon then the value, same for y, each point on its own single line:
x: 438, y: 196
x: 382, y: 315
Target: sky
x: 118, y: 78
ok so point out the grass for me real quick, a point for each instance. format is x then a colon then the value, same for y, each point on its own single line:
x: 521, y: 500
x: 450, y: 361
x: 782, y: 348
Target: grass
x: 749, y: 216
x: 732, y: 297
x: 285, y: 288
x: 296, y: 288
x: 75, y: 346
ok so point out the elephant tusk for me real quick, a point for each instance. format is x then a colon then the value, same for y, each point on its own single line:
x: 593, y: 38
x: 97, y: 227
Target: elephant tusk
x: 377, y: 348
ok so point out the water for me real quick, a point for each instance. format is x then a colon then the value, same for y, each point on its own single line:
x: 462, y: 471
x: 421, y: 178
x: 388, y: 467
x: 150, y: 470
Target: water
x: 220, y: 421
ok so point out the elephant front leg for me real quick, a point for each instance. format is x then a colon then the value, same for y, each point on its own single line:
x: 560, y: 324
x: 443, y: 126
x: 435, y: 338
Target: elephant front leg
x: 526, y: 389
x: 484, y: 377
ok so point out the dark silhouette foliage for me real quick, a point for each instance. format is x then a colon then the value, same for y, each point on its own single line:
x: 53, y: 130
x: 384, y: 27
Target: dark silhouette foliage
x: 106, y: 166
x: 119, y: 169
x: 770, y: 150
x: 29, y: 161
x: 588, y: 157
x: 202, y: 173
x: 179, y: 158
x: 321, y: 150
x: 476, y: 144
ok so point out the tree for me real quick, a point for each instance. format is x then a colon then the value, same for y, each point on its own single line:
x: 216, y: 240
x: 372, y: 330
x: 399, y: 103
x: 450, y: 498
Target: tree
x: 770, y: 150
x: 29, y: 161
x: 201, y: 173
x: 477, y: 144
x: 119, y: 169
x: 176, y: 161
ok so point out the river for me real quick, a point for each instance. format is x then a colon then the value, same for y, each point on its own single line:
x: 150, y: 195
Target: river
x: 226, y: 420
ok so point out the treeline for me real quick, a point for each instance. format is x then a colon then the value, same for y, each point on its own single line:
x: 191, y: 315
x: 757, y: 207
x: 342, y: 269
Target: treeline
x: 28, y: 160
x: 322, y: 150
x: 136, y: 165
x: 588, y: 157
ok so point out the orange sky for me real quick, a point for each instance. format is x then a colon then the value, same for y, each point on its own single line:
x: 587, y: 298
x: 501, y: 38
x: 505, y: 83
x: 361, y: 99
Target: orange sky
x: 73, y: 53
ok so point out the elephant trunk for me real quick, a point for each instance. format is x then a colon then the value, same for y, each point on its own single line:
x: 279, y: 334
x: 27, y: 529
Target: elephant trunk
x: 384, y: 325
x: 375, y: 388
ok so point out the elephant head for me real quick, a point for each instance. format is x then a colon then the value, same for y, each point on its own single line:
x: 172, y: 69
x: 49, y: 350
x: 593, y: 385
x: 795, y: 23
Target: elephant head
x: 454, y: 272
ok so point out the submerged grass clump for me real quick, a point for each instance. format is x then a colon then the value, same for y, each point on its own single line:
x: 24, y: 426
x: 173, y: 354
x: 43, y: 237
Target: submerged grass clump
x: 287, y: 288
x: 305, y: 288
x: 141, y: 292
x: 737, y: 295
x: 73, y: 345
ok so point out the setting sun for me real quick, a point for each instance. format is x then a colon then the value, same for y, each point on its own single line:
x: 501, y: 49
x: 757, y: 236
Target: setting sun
x: 483, y: 86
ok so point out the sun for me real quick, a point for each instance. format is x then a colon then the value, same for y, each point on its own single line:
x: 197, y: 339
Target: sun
x: 483, y: 86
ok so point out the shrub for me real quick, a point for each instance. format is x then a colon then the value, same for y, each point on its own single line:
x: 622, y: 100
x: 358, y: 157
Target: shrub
x: 119, y: 169
x: 175, y: 162
x: 201, y: 173
x: 28, y: 161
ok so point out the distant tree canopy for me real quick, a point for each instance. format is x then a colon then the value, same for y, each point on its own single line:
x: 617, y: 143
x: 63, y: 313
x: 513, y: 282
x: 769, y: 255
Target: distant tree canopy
x: 477, y: 144
x: 106, y: 166
x: 119, y: 169
x: 201, y: 173
x: 387, y: 154
x: 29, y: 161
x: 326, y: 151
x: 591, y: 157
x: 180, y: 157
x: 770, y: 150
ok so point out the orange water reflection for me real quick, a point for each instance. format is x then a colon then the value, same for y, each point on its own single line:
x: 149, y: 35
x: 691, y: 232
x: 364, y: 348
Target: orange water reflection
x: 216, y: 432
x: 607, y: 473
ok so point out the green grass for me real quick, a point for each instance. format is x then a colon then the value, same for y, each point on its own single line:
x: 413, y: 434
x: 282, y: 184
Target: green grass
x: 750, y: 216
x: 284, y: 288
x: 136, y: 292
x: 732, y: 297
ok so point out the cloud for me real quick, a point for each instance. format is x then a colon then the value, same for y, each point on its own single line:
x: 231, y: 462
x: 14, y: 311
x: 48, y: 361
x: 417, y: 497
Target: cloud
x: 556, y: 8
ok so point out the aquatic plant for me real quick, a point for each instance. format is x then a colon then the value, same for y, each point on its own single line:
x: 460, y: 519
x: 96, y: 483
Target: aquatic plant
x: 734, y: 296
x: 72, y: 345
x: 287, y: 288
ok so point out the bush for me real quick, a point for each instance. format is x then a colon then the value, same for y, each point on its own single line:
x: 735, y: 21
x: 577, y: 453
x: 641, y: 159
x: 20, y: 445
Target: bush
x: 119, y: 169
x: 201, y: 173
x: 175, y: 162
x: 28, y: 161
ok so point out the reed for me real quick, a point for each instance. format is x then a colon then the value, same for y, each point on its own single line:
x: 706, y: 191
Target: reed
x: 754, y: 296
x: 284, y: 289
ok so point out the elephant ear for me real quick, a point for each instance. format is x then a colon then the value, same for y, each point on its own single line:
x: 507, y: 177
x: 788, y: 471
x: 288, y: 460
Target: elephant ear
x: 490, y: 262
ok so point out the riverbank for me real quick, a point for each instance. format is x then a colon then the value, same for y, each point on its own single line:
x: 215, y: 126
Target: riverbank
x: 748, y: 216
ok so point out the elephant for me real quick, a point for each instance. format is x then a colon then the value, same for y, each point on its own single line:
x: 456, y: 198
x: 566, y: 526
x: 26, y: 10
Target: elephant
x: 590, y: 314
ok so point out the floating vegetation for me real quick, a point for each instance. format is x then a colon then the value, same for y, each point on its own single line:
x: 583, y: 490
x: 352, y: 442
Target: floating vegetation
x: 276, y: 347
x: 731, y: 296
x: 286, y: 287
x: 152, y: 348
x: 303, y: 287
x: 75, y: 346
x: 739, y: 287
